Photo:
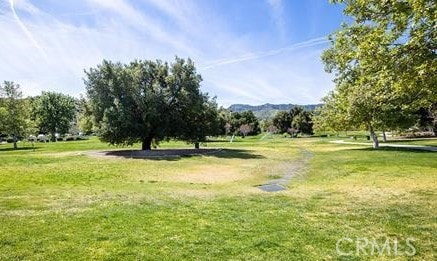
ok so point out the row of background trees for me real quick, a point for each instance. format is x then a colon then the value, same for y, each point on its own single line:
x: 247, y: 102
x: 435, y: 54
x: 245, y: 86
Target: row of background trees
x: 384, y: 63
x: 143, y: 101
x: 20, y: 117
x: 55, y: 113
x: 121, y: 120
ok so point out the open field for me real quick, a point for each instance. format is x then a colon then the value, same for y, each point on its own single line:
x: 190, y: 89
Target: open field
x: 60, y: 203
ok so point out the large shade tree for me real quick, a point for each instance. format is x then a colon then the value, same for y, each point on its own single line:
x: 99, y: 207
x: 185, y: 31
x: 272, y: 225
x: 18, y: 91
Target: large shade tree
x: 194, y: 116
x: 202, y: 120
x: 384, y: 62
x: 147, y: 101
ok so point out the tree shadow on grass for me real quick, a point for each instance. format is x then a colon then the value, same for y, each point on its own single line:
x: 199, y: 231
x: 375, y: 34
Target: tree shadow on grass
x: 410, y: 141
x: 395, y: 149
x: 216, y: 140
x: 236, y: 154
x: 18, y: 149
x: 177, y: 154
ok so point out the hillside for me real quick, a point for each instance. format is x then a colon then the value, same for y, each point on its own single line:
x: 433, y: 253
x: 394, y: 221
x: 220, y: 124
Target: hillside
x: 269, y: 110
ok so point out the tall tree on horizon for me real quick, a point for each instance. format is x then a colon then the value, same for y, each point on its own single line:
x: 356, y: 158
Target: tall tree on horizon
x: 384, y: 62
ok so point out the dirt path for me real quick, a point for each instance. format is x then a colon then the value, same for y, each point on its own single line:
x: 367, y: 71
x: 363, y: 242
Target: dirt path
x: 406, y: 146
x: 297, y: 168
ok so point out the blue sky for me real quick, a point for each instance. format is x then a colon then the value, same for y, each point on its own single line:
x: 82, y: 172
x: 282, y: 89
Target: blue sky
x: 247, y: 51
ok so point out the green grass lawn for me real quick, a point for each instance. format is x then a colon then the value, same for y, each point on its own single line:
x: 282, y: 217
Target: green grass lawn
x: 59, y: 203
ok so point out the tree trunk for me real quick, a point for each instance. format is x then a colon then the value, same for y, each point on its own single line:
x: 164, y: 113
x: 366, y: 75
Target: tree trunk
x: 384, y: 137
x: 196, y: 145
x: 147, y: 143
x: 434, y: 128
x: 53, y: 138
x: 15, y: 142
x: 374, y: 137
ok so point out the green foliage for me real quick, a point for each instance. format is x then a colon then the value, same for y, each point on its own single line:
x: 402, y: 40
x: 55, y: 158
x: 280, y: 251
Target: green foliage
x: 282, y: 121
x: 53, y: 112
x: 332, y: 116
x: 384, y: 64
x: 149, y: 100
x: 14, y: 111
x: 297, y: 119
x: 223, y: 121
x: 202, y: 120
x: 268, y: 111
x: 428, y: 118
x: 301, y: 120
x: 84, y: 117
x: 248, y: 118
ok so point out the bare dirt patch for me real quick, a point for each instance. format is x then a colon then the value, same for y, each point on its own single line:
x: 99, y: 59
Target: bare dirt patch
x: 210, y: 174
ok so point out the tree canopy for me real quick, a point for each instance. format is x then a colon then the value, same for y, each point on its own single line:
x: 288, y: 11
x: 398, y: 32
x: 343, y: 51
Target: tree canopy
x: 53, y: 112
x: 14, y: 113
x: 282, y: 121
x: 84, y: 117
x: 384, y: 64
x: 149, y: 100
x: 246, y: 118
x: 297, y: 119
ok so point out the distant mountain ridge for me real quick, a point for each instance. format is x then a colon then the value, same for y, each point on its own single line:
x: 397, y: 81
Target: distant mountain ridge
x: 269, y: 110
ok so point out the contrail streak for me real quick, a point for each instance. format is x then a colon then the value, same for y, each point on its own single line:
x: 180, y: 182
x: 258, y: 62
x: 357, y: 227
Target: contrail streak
x: 26, y: 31
x: 253, y: 56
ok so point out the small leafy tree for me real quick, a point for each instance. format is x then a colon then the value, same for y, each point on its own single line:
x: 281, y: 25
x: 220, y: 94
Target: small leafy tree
x: 54, y: 113
x: 302, y: 121
x: 14, y: 114
x: 282, y: 121
x: 228, y: 127
x: 292, y: 131
x: 272, y: 129
x: 245, y: 117
x: 245, y: 129
x: 297, y: 118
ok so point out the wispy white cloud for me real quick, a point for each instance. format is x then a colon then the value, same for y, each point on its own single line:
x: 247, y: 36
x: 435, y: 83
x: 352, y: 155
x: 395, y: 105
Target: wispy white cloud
x: 253, y: 56
x: 288, y: 78
x: 277, y: 13
x: 24, y: 28
x: 136, y: 19
x: 122, y: 30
